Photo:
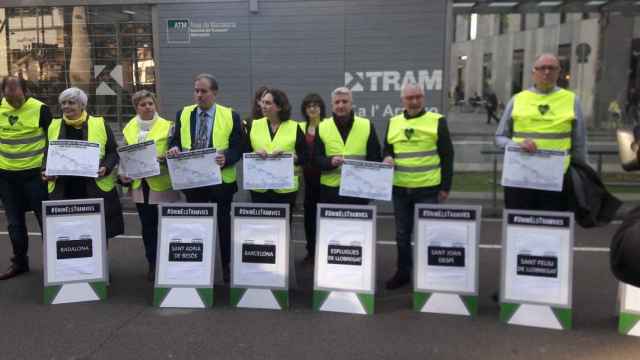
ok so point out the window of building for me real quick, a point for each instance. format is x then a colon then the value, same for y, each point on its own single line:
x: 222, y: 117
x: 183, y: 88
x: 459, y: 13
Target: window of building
x: 563, y: 17
x: 541, y: 19
x: 517, y: 71
x: 523, y: 22
x: 106, y: 51
x: 487, y: 64
x: 564, y: 56
x: 503, y: 23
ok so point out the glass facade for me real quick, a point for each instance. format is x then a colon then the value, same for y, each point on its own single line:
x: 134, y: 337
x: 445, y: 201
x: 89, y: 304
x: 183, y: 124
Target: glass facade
x: 105, y: 50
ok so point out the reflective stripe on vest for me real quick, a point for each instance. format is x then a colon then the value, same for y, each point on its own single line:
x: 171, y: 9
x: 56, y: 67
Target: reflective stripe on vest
x: 284, y: 140
x: 221, y: 132
x: 96, y: 133
x: 159, y: 133
x: 22, y: 141
x: 415, y: 141
x: 354, y: 148
x: 547, y: 119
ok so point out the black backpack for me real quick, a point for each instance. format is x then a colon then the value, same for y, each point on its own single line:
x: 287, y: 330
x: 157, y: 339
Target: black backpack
x: 625, y: 249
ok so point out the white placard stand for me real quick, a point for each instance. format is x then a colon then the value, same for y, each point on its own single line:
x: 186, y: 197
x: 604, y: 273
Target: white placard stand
x: 187, y: 237
x: 446, y: 259
x: 537, y: 269
x: 75, y: 251
x: 260, y: 256
x: 344, y: 279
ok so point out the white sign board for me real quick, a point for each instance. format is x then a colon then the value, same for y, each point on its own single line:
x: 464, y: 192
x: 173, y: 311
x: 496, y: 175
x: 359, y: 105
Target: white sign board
x: 446, y: 248
x: 345, y: 248
x: 271, y: 173
x: 73, y: 158
x: 537, y: 258
x: 74, y: 241
x: 186, y: 245
x: 541, y: 170
x: 194, y: 169
x: 260, y: 246
x: 366, y: 179
x: 139, y: 161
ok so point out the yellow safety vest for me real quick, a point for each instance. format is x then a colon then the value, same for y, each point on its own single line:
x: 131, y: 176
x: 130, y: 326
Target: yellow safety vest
x: 354, y: 148
x: 159, y: 133
x: 22, y: 140
x: 547, y: 119
x: 97, y: 133
x: 221, y: 132
x: 415, y: 145
x: 284, y: 140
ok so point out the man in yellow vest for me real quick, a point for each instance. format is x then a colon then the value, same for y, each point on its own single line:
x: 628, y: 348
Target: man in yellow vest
x: 418, y: 144
x: 342, y: 136
x: 207, y: 124
x: 23, y: 126
x: 543, y: 117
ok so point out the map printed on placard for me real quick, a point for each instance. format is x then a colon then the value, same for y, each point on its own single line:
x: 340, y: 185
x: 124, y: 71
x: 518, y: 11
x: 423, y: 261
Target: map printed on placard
x: 72, y: 158
x: 273, y: 172
x: 542, y: 170
x: 194, y: 169
x: 366, y: 179
x: 139, y: 160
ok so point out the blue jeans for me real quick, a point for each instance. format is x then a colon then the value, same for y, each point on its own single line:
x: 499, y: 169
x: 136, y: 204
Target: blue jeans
x: 404, y: 201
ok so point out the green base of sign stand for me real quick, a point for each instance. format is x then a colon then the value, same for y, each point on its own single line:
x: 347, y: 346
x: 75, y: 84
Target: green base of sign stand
x: 75, y: 292
x: 183, y: 297
x: 543, y: 316
x: 445, y: 303
x: 629, y: 324
x: 255, y: 298
x: 343, y: 301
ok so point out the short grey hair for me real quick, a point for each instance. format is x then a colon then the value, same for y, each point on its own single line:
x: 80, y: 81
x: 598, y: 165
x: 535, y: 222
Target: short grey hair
x: 411, y: 85
x: 74, y: 94
x: 540, y: 56
x: 143, y: 94
x: 343, y: 90
x: 212, y: 80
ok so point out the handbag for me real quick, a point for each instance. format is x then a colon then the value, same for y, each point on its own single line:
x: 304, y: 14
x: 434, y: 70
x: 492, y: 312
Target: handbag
x: 627, y: 150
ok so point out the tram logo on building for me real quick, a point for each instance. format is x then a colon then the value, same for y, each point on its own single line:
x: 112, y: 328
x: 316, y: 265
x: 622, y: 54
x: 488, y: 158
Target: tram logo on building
x: 376, y: 81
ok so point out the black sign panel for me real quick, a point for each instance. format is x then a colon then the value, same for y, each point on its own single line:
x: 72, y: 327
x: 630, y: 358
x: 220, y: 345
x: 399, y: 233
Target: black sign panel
x: 344, y: 255
x: 185, y: 252
x: 258, y: 254
x: 541, y: 266
x: 255, y: 211
x: 74, y: 249
x: 446, y: 256
x: 538, y: 220
x: 187, y: 211
x: 75, y: 209
x: 447, y: 214
x: 343, y: 213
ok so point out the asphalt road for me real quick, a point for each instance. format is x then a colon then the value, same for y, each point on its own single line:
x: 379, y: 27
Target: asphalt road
x: 126, y: 326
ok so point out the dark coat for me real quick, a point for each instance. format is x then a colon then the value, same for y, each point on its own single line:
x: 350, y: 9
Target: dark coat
x: 114, y: 220
x: 592, y: 204
x: 625, y: 249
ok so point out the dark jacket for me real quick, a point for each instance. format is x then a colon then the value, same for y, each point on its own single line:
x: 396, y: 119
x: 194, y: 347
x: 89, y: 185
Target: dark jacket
x: 625, y: 249
x: 592, y: 204
x: 114, y: 220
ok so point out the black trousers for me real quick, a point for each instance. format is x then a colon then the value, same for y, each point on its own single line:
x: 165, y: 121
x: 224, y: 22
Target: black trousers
x: 531, y: 199
x: 311, y: 200
x: 404, y: 201
x: 21, y: 191
x: 331, y: 195
x: 149, y: 219
x: 222, y: 195
x: 491, y: 114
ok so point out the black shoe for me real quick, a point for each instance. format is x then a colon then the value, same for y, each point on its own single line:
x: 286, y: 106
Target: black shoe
x: 226, y: 273
x: 151, y: 274
x: 495, y: 297
x: 13, y: 271
x: 400, y: 279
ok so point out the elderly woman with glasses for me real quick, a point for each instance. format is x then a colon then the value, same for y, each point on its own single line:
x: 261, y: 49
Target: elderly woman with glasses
x: 148, y: 192
x: 77, y: 124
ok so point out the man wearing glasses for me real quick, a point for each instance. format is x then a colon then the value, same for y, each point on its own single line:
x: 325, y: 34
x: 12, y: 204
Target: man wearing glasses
x: 543, y: 117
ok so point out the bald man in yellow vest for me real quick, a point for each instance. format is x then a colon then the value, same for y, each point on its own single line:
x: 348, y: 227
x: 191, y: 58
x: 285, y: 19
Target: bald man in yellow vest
x: 543, y: 117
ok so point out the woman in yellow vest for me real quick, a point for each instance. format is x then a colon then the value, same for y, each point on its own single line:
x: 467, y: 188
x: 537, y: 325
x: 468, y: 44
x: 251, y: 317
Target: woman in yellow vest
x: 276, y: 133
x: 77, y: 124
x: 149, y: 192
x: 313, y: 109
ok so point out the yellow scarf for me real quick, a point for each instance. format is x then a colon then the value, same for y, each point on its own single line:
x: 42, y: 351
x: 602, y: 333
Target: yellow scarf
x: 77, y: 123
